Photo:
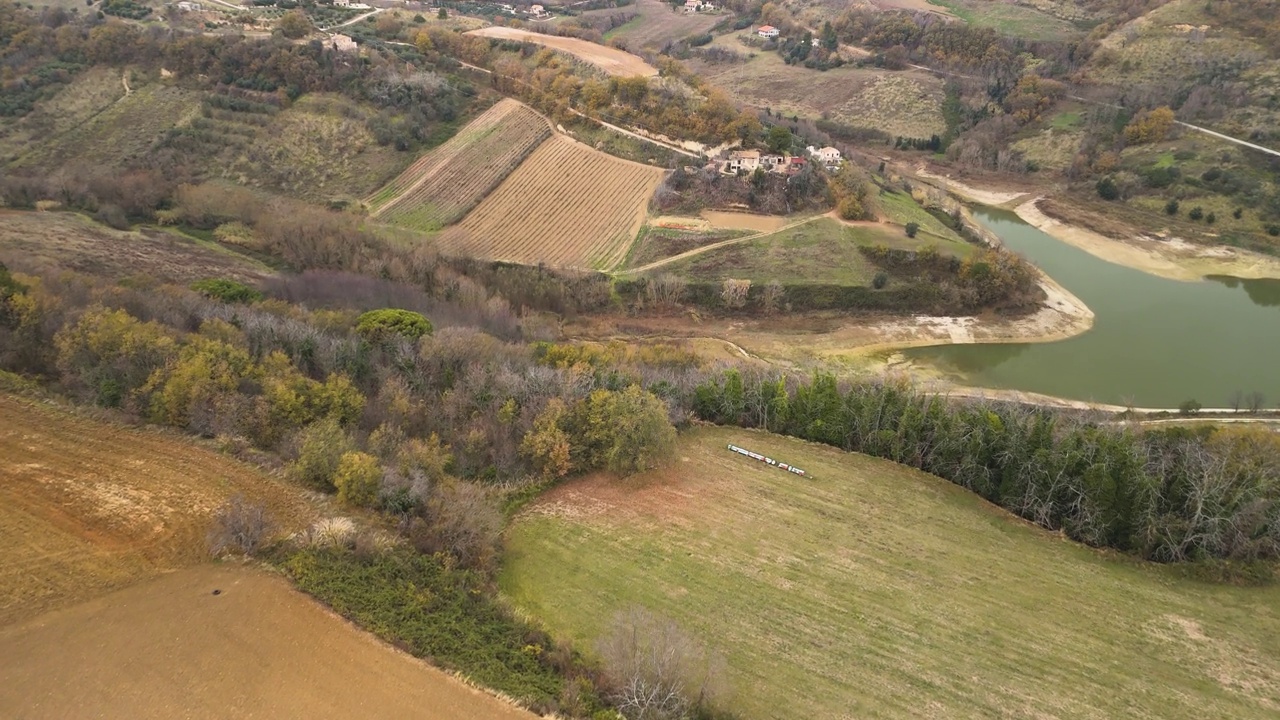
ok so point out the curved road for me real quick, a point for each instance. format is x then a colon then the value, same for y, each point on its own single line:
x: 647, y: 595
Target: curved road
x: 714, y: 246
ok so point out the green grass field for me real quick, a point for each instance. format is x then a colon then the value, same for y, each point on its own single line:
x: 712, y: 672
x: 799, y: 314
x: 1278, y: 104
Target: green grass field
x: 900, y: 209
x: 1011, y: 19
x: 820, y: 251
x: 870, y: 590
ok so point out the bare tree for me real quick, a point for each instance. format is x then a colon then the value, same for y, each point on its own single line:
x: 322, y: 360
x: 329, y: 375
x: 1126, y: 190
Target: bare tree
x: 772, y: 298
x: 666, y: 290
x: 240, y: 526
x: 657, y: 671
x: 1256, y: 401
x: 734, y: 292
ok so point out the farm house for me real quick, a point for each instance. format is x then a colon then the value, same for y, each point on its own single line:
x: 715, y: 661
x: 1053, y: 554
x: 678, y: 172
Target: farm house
x: 768, y: 32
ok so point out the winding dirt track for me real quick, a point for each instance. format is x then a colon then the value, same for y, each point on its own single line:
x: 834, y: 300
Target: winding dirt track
x: 715, y: 246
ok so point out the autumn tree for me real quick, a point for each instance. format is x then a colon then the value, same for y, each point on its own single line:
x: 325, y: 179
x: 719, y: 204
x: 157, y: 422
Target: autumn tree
x: 107, y: 354
x: 624, y: 431
x: 1150, y: 126
x: 320, y: 448
x: 547, y: 445
x: 356, y: 478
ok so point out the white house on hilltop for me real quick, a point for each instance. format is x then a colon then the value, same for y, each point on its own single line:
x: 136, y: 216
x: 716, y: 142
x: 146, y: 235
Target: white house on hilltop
x: 768, y: 32
x: 747, y: 160
x: 827, y: 155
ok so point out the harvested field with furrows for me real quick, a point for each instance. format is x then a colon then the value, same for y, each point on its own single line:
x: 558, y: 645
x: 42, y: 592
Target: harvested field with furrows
x: 87, y: 506
x: 447, y: 182
x: 657, y: 23
x: 611, y: 60
x: 567, y: 205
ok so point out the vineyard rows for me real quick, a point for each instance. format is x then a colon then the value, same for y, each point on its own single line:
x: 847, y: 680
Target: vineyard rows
x: 441, y: 186
x: 567, y: 205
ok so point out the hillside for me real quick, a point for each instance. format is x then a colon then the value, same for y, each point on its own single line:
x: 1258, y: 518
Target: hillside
x: 90, y: 506
x: 885, y: 592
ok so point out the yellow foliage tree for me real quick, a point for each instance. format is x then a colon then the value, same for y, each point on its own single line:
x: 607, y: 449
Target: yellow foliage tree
x: 547, y: 444
x: 110, y: 353
x: 357, y: 479
x: 205, y: 369
x: 1149, y: 127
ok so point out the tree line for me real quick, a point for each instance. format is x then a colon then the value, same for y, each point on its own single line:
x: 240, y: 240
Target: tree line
x: 1168, y: 495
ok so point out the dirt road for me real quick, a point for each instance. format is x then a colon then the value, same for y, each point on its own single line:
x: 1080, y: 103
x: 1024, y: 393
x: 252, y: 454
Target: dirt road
x: 170, y: 648
x: 714, y: 246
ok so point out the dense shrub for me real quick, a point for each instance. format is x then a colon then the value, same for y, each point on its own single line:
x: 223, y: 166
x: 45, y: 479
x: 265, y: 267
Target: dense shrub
x: 228, y: 291
x: 356, y: 478
x: 390, y: 322
x: 1167, y: 495
x: 417, y: 603
x: 321, y: 447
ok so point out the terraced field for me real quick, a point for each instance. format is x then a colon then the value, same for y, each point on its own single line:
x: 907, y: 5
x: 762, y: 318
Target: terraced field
x: 447, y: 182
x: 567, y: 205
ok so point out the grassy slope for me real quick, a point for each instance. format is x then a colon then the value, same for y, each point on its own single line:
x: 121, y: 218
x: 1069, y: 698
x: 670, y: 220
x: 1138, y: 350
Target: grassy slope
x: 34, y: 241
x: 870, y: 590
x: 118, y: 130
x: 907, y: 104
x: 821, y: 251
x: 1010, y: 19
x: 318, y: 149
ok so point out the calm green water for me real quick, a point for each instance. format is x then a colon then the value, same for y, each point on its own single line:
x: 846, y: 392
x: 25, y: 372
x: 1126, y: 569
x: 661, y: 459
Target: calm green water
x: 1155, y: 342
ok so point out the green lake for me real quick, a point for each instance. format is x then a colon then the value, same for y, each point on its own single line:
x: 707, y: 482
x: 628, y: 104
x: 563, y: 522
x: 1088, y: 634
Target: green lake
x: 1155, y: 342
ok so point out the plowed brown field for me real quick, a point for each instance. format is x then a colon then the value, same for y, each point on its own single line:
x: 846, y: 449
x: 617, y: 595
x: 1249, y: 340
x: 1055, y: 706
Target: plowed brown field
x: 88, y: 506
x: 170, y: 648
x: 567, y: 205
x: 611, y: 60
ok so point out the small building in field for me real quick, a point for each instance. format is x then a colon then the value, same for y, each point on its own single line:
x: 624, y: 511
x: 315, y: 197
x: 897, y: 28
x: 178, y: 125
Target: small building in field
x: 747, y: 160
x: 342, y: 3
x: 692, y: 6
x: 537, y: 10
x: 189, y: 6
x: 344, y: 44
x: 768, y: 32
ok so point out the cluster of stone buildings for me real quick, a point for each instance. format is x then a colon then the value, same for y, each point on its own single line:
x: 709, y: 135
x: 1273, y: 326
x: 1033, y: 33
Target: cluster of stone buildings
x: 752, y: 160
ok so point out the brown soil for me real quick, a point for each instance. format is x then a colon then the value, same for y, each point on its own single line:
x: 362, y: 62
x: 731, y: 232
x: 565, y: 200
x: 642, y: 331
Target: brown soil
x: 87, y: 506
x: 170, y: 648
x: 745, y: 221
x: 611, y: 60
